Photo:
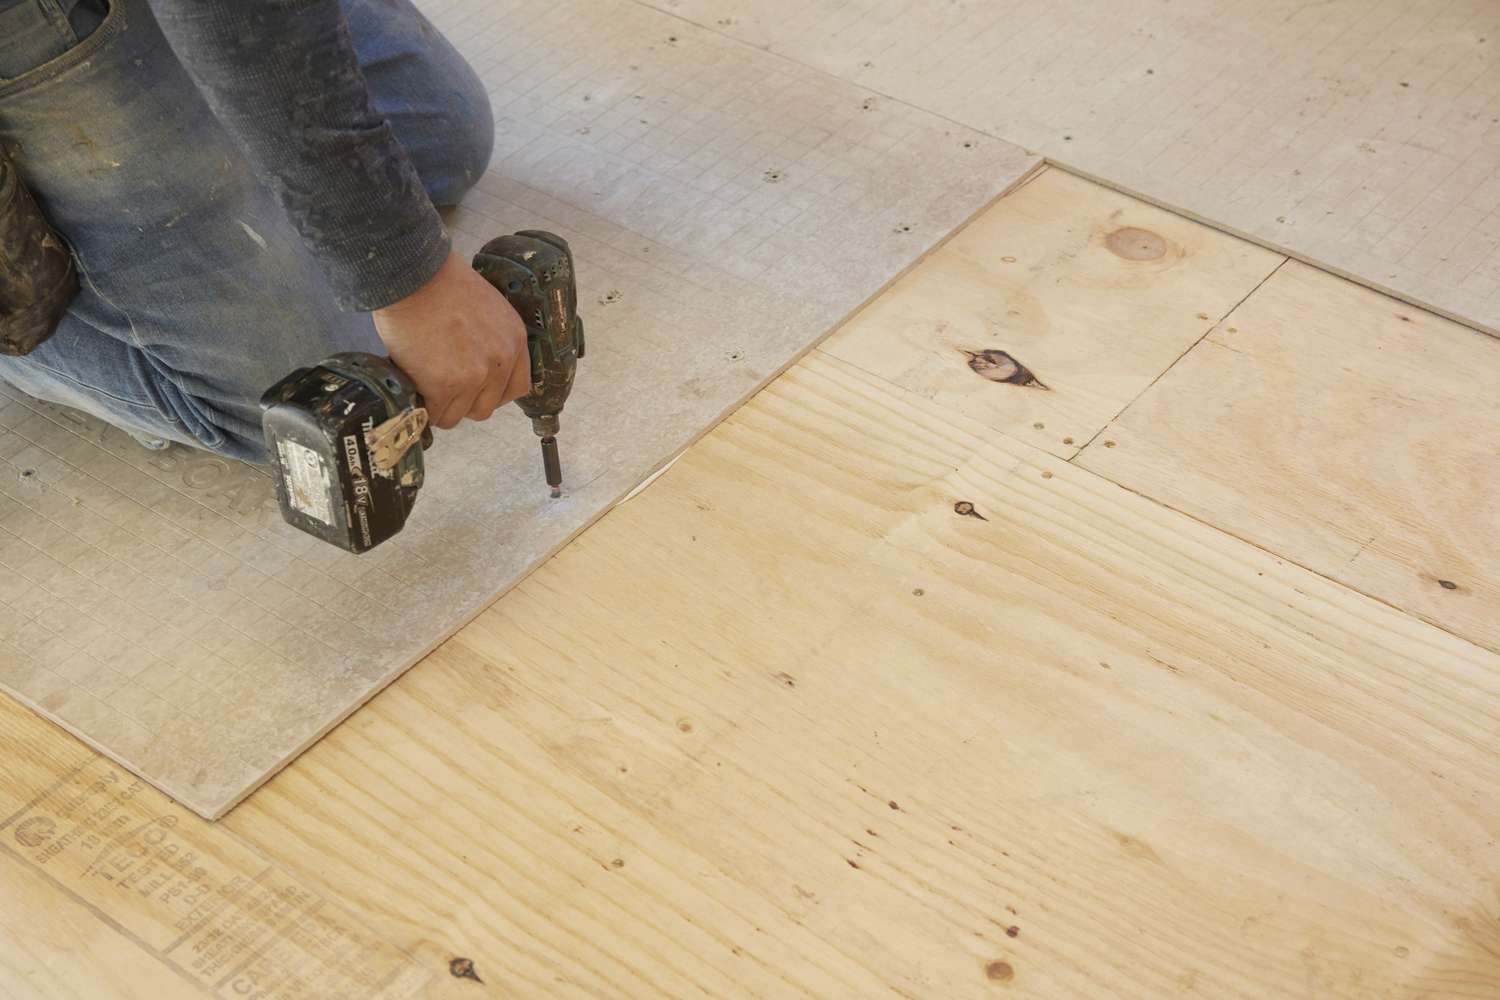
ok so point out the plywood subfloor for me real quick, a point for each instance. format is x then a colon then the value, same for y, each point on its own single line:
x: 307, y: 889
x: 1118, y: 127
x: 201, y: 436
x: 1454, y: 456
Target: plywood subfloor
x: 1092, y: 292
x: 727, y: 208
x: 863, y: 697
x: 1358, y: 134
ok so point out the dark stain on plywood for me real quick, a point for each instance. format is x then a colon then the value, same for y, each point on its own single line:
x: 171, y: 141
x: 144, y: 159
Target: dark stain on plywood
x: 999, y: 366
x: 1001, y: 972
x: 965, y: 509
x: 463, y: 968
x: 1132, y: 243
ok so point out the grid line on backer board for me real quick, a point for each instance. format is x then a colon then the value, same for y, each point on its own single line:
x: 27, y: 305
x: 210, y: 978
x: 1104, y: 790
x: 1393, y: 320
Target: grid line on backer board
x: 1359, y: 136
x: 726, y: 208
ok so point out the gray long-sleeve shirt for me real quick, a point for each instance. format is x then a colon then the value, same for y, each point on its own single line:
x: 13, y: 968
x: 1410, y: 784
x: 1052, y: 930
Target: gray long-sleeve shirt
x: 284, y: 79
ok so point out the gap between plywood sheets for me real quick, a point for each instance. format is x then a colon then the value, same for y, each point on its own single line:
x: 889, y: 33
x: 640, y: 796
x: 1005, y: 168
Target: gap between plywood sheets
x: 1357, y: 136
x: 727, y: 208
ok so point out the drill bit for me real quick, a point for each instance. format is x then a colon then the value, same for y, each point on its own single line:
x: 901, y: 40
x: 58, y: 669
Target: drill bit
x: 552, y: 465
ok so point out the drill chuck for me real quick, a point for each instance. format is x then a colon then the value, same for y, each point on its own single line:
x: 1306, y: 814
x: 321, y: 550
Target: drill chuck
x: 546, y: 427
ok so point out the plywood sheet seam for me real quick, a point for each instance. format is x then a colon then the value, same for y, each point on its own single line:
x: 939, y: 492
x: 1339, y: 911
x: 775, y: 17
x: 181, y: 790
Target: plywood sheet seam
x: 1178, y: 360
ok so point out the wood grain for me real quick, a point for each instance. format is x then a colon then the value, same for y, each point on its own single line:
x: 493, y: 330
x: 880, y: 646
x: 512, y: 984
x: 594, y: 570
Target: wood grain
x: 1355, y: 434
x: 788, y: 725
x: 722, y: 744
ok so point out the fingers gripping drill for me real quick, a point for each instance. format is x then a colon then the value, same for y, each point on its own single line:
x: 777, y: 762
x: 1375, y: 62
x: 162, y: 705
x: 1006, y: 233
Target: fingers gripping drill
x: 342, y: 434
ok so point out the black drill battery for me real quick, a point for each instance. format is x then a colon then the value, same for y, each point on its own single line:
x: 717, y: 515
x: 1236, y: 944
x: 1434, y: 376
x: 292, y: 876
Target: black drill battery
x: 317, y: 421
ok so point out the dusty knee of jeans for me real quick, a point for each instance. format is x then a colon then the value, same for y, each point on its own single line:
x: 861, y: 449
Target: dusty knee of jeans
x: 463, y: 147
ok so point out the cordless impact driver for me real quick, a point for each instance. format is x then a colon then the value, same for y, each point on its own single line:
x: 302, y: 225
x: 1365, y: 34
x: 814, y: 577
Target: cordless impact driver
x: 345, y: 437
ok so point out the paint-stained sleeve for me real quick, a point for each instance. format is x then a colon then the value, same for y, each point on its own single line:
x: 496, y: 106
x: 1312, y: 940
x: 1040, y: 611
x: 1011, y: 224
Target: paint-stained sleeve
x: 284, y: 79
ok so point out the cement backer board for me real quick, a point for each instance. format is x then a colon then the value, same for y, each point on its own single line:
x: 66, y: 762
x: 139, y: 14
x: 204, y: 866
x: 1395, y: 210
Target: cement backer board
x: 727, y: 208
x: 1360, y: 136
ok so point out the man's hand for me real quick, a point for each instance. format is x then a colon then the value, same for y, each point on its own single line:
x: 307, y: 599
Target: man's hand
x: 461, y: 343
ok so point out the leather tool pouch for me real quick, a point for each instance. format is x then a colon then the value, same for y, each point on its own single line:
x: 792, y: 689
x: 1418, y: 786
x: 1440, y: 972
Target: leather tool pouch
x: 37, y: 276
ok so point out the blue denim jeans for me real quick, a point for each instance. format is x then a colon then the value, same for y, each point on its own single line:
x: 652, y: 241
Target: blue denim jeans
x: 196, y: 295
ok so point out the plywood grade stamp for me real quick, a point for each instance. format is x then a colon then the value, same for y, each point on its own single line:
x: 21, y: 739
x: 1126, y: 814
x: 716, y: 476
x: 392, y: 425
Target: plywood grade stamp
x: 1358, y: 135
x: 727, y: 208
x: 207, y: 907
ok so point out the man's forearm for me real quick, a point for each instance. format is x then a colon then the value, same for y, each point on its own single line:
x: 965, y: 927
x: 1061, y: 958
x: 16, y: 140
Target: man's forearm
x: 284, y: 79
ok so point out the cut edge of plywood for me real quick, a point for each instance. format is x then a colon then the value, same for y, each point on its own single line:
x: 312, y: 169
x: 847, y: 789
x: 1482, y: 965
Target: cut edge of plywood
x: 1284, y: 249
x: 1037, y: 167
